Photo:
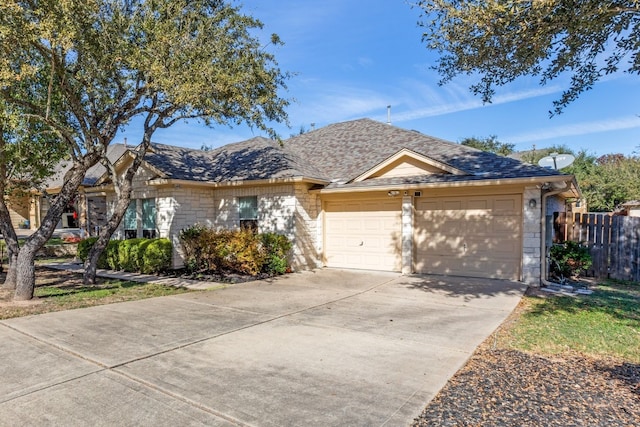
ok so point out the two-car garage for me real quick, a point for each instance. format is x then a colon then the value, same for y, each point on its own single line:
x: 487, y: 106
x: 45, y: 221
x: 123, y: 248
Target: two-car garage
x: 475, y: 235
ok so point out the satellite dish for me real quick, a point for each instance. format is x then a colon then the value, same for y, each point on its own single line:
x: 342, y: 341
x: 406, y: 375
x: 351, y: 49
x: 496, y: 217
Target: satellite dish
x: 556, y: 161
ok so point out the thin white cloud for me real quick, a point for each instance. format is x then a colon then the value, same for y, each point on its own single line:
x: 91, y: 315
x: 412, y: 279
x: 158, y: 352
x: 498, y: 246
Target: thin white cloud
x: 336, y: 104
x: 583, y: 128
x: 470, y: 103
x: 364, y: 61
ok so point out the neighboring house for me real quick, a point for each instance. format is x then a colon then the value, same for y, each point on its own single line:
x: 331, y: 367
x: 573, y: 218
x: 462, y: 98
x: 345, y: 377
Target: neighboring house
x: 632, y: 208
x: 359, y: 194
x: 33, y: 207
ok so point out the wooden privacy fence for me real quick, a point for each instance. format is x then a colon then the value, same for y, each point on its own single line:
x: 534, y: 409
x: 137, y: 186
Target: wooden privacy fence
x: 614, y: 242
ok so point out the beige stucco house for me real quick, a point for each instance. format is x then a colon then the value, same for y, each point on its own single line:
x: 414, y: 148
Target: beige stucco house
x: 631, y: 208
x: 359, y: 194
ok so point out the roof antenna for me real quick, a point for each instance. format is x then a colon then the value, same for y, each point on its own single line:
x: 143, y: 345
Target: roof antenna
x: 388, y: 114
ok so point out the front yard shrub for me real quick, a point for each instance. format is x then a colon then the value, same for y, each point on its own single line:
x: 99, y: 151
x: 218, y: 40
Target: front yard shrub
x: 109, y: 259
x: 245, y: 253
x: 192, y: 239
x: 238, y: 251
x: 134, y: 255
x: 129, y: 254
x: 570, y: 259
x: 277, y: 246
x: 84, y: 246
x: 155, y: 255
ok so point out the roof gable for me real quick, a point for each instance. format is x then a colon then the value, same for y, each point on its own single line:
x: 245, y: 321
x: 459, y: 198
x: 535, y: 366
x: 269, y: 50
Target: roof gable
x: 351, y: 150
x: 123, y: 163
x: 408, y: 163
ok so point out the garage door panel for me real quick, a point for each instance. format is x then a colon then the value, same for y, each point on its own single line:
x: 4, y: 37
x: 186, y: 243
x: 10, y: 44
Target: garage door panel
x: 480, y: 237
x: 506, y: 206
x: 478, y: 204
x: 363, y: 234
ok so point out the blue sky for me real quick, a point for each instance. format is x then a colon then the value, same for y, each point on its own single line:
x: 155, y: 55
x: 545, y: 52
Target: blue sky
x: 353, y: 58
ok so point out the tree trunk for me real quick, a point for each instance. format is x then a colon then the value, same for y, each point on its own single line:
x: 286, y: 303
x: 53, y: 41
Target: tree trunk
x: 91, y: 263
x: 10, y: 280
x: 26, y: 274
x: 11, y: 239
x: 25, y: 268
x: 123, y: 192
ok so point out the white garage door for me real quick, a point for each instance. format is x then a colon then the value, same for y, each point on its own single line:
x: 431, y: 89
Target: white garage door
x: 477, y: 236
x: 363, y: 234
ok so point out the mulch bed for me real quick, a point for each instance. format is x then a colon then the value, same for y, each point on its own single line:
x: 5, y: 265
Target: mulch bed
x: 499, y: 387
x: 223, y: 277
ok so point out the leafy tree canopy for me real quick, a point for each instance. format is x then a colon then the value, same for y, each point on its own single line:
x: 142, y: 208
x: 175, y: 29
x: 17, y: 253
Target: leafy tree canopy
x: 533, y: 156
x: 606, y: 181
x: 499, y: 41
x: 490, y: 144
x: 82, y: 70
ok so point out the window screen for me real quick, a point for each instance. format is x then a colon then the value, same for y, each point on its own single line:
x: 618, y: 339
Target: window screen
x: 149, y: 218
x: 248, y: 207
x: 131, y: 221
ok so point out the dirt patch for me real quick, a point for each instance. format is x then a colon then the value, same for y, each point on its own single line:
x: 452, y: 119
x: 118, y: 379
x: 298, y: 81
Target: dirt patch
x: 508, y: 387
x: 505, y: 387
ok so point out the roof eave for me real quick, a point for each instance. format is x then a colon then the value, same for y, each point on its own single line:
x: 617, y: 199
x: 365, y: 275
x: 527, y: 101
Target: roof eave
x: 572, y: 191
x: 163, y: 182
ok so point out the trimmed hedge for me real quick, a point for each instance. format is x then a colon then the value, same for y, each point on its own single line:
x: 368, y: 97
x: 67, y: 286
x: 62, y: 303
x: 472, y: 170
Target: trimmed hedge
x: 240, y: 251
x: 147, y: 256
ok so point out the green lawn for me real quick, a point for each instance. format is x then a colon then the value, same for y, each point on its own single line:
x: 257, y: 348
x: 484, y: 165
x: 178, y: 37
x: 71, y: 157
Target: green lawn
x: 604, y: 324
x: 62, y: 290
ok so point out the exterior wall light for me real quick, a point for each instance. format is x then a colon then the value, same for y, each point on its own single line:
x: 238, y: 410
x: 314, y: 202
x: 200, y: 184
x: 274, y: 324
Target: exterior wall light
x: 533, y: 203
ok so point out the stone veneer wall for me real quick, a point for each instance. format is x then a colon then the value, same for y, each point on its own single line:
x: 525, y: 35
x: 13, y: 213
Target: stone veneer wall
x: 285, y: 209
x: 531, y: 236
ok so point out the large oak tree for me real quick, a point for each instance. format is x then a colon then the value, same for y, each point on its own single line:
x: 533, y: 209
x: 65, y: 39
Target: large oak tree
x: 498, y: 41
x: 110, y: 61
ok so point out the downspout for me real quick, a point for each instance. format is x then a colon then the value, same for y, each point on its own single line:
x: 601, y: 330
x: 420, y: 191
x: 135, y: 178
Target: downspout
x: 543, y: 237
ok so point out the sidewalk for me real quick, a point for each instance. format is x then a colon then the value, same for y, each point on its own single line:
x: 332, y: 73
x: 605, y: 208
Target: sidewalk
x: 197, y: 285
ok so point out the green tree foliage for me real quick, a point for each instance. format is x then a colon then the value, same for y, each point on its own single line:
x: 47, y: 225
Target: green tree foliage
x: 534, y: 156
x: 605, y: 181
x: 490, y: 144
x: 85, y: 69
x: 611, y: 181
x: 499, y: 41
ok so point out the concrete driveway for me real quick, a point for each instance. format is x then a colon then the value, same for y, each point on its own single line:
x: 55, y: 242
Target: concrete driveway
x: 327, y: 347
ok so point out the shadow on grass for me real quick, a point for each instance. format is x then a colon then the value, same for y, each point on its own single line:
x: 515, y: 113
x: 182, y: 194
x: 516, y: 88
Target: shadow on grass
x: 56, y: 289
x: 618, y: 300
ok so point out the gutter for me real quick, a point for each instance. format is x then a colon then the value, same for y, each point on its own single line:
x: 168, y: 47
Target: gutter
x: 462, y: 183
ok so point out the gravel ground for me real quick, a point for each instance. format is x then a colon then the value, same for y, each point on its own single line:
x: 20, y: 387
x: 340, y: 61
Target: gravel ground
x: 500, y: 387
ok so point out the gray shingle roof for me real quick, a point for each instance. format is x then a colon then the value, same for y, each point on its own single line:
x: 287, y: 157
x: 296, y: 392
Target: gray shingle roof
x: 114, y: 152
x: 339, y: 153
x: 343, y: 151
x: 255, y: 159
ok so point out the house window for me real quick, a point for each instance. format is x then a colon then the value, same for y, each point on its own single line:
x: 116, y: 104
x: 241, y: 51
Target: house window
x: 149, y: 218
x: 248, y: 207
x: 131, y: 221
